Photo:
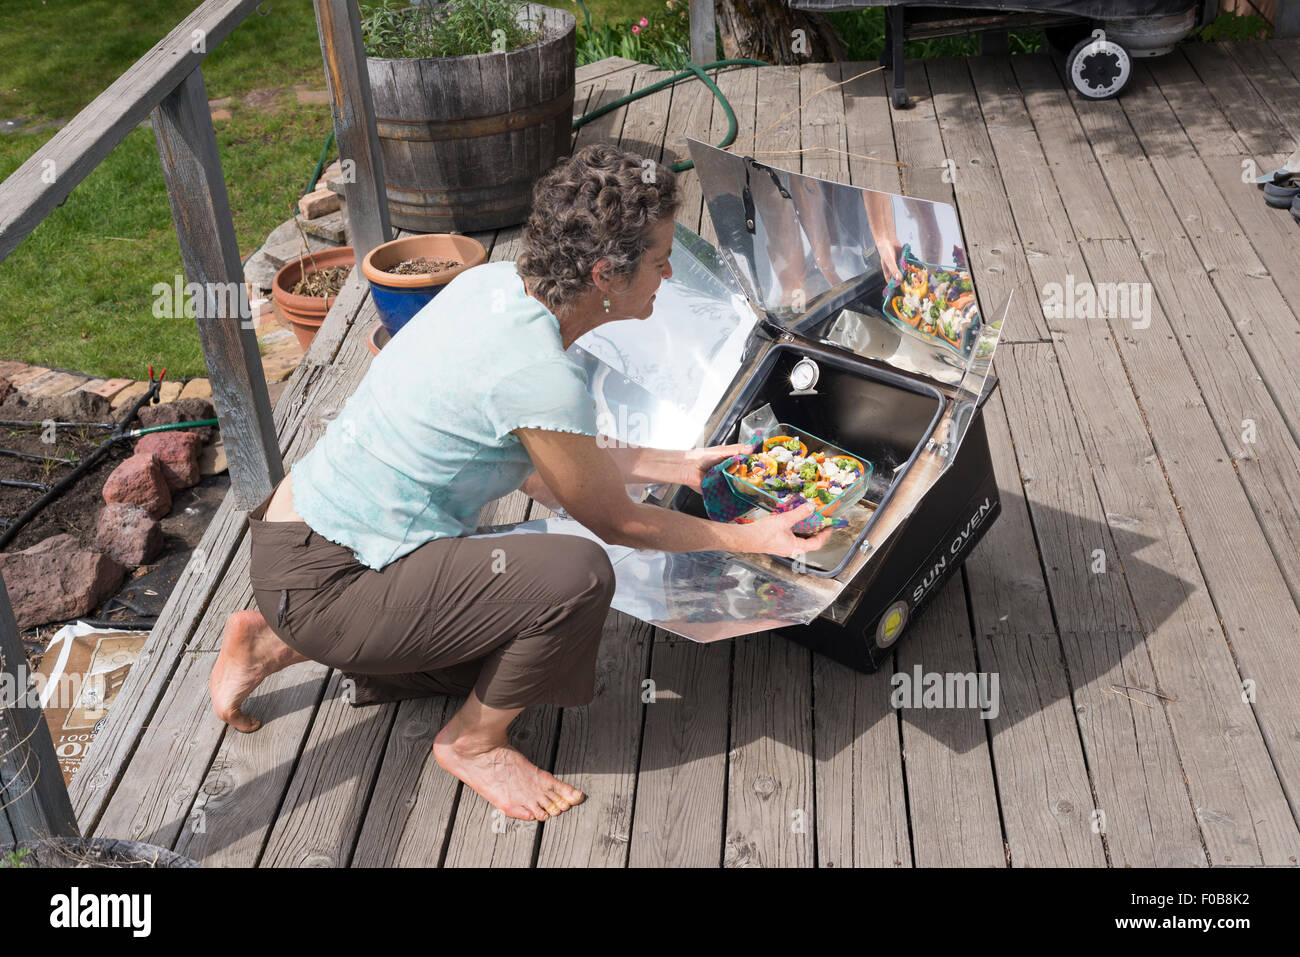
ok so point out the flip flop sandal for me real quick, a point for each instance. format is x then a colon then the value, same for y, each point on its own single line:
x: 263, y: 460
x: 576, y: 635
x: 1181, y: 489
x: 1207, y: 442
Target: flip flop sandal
x: 1280, y: 197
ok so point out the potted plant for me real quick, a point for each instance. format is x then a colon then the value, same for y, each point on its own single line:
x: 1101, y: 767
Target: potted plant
x: 304, y: 290
x: 473, y: 102
x: 405, y: 274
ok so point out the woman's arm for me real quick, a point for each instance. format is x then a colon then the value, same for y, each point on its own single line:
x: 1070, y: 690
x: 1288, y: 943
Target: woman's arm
x: 536, y: 489
x: 587, y: 482
x: 674, y: 466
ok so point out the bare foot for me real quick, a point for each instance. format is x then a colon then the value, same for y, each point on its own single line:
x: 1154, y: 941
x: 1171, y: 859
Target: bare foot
x: 250, y: 651
x: 505, y: 778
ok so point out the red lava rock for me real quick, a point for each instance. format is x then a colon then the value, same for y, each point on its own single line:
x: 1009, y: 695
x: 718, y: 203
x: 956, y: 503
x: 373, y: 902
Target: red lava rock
x: 129, y: 534
x: 140, y: 481
x: 178, y: 454
x: 192, y: 409
x: 57, y: 579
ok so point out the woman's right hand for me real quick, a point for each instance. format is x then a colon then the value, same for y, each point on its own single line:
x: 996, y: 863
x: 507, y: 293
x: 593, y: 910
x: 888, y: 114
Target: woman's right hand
x: 772, y: 535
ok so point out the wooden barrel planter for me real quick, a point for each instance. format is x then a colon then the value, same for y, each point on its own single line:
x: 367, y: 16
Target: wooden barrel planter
x: 465, y: 138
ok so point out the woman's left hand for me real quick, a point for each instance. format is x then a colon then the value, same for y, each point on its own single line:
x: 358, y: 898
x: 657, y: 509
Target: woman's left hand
x: 697, y: 462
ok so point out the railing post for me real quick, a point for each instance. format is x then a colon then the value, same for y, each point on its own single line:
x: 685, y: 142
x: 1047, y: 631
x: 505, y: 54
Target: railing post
x: 339, y: 24
x: 32, y: 792
x: 704, y: 33
x: 187, y: 146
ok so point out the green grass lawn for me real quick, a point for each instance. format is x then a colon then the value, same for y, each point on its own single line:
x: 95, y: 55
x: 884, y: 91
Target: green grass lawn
x: 78, y: 292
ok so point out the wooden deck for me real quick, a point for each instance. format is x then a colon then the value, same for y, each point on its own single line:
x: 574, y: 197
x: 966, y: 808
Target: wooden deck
x: 1170, y: 453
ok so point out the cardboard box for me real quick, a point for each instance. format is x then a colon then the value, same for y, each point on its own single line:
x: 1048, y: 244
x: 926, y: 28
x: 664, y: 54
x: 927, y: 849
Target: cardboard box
x: 83, y: 671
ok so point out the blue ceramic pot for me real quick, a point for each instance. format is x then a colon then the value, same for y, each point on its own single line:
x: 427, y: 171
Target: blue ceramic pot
x: 399, y: 297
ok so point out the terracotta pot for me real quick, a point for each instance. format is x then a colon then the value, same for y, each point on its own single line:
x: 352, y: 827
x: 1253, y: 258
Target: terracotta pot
x: 398, y: 298
x: 306, y: 313
x: 377, y: 339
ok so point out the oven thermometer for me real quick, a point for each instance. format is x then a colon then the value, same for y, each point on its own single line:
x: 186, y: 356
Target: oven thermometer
x: 804, y: 376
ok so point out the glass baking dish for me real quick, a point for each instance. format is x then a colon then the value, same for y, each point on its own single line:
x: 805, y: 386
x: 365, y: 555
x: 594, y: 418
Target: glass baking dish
x: 769, y: 500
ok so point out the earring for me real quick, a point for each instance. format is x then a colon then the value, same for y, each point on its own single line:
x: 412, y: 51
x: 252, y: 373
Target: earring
x: 606, y: 304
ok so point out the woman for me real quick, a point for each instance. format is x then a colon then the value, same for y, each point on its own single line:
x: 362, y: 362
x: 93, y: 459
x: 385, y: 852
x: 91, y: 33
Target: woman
x: 360, y: 559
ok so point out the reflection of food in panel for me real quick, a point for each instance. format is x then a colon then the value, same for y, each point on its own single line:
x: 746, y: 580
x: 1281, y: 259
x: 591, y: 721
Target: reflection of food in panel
x: 937, y: 301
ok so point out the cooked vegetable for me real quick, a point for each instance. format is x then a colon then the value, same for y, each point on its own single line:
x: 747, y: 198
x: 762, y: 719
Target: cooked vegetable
x: 793, y: 476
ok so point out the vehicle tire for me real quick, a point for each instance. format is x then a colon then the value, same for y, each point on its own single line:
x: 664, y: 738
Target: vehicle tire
x: 1099, y: 68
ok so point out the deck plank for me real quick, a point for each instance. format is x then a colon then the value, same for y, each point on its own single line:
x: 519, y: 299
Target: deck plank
x: 409, y: 815
x: 1248, y: 582
x: 1271, y: 231
x: 951, y: 796
x: 331, y: 782
x: 1187, y: 649
x: 598, y: 750
x: 1136, y: 775
x: 1277, y: 87
x: 1185, y: 92
x: 1257, y: 125
x: 1043, y: 783
x: 1288, y: 51
x: 1248, y: 340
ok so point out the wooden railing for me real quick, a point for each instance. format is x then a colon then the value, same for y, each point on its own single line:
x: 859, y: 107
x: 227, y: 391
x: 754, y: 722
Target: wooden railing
x: 167, y: 83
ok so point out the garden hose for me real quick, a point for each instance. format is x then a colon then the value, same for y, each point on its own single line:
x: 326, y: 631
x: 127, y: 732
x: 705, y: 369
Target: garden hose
x: 694, y: 70
x: 136, y: 433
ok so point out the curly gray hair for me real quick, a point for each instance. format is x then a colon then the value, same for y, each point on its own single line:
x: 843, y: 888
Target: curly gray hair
x: 597, y: 204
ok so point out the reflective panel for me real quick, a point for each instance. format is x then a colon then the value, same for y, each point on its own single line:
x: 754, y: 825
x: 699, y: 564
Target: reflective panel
x: 880, y: 275
x: 656, y: 381
x: 704, y: 596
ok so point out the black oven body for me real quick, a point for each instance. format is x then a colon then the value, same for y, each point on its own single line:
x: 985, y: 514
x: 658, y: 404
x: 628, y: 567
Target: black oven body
x: 919, y: 558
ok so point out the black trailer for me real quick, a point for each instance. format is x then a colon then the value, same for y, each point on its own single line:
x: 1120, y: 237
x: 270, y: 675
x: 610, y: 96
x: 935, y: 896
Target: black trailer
x: 1100, y: 38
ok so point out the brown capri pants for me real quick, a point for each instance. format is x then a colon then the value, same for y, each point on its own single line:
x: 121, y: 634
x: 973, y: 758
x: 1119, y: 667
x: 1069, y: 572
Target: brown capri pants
x: 517, y: 618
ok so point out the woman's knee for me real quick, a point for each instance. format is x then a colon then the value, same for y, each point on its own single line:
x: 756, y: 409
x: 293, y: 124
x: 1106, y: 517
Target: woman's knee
x: 579, y: 568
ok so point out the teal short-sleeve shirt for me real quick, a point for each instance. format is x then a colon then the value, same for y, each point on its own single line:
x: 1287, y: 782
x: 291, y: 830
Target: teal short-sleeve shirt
x: 425, y: 441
